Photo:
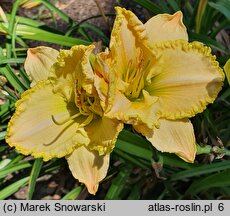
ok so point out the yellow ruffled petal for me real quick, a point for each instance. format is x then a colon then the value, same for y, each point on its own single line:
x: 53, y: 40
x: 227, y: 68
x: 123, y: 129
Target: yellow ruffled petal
x: 103, y: 133
x: 164, y: 27
x: 102, y: 88
x: 104, y: 79
x: 38, y: 62
x: 144, y: 111
x: 88, y: 167
x: 69, y: 71
x: 186, y: 77
x: 128, y: 38
x: 174, y: 137
x: 227, y: 70
x: 131, y: 57
x: 32, y: 130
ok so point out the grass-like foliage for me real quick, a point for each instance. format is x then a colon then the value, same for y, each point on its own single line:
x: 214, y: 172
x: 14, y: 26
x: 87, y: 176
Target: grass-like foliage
x: 137, y: 170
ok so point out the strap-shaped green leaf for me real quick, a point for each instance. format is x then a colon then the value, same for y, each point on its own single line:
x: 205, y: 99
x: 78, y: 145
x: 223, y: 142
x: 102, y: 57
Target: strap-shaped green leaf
x: 12, y: 188
x: 33, y: 176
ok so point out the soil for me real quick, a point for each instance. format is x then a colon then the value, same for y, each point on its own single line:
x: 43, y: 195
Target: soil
x: 77, y: 10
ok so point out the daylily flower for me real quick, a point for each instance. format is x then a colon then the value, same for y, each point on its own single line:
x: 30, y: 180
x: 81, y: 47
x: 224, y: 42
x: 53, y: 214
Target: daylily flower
x: 227, y: 70
x: 162, y: 79
x: 63, y: 115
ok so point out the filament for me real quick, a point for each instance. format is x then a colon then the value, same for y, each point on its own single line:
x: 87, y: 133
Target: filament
x: 87, y: 121
x: 58, y: 136
x: 66, y: 120
x: 89, y: 101
x: 83, y: 124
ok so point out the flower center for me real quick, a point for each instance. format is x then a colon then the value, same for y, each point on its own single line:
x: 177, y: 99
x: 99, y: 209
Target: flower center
x: 135, y: 80
x: 87, y: 104
x: 135, y: 77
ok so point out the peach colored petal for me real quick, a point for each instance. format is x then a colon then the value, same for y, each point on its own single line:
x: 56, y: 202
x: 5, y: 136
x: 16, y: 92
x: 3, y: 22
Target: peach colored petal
x: 88, y: 167
x: 39, y: 61
x: 173, y: 137
x: 32, y: 131
x: 186, y: 77
x: 164, y: 27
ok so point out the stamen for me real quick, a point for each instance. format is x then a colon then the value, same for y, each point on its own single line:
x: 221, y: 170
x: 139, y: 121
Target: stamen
x: 134, y: 74
x: 82, y: 111
x: 53, y: 141
x: 83, y: 124
x: 58, y: 136
x: 66, y: 120
x: 87, y: 121
x: 139, y: 86
x: 82, y: 98
x: 89, y: 101
x: 146, y: 65
x: 128, y: 71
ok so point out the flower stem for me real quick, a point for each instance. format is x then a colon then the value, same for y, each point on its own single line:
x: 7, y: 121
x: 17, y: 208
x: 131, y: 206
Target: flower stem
x: 209, y: 149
